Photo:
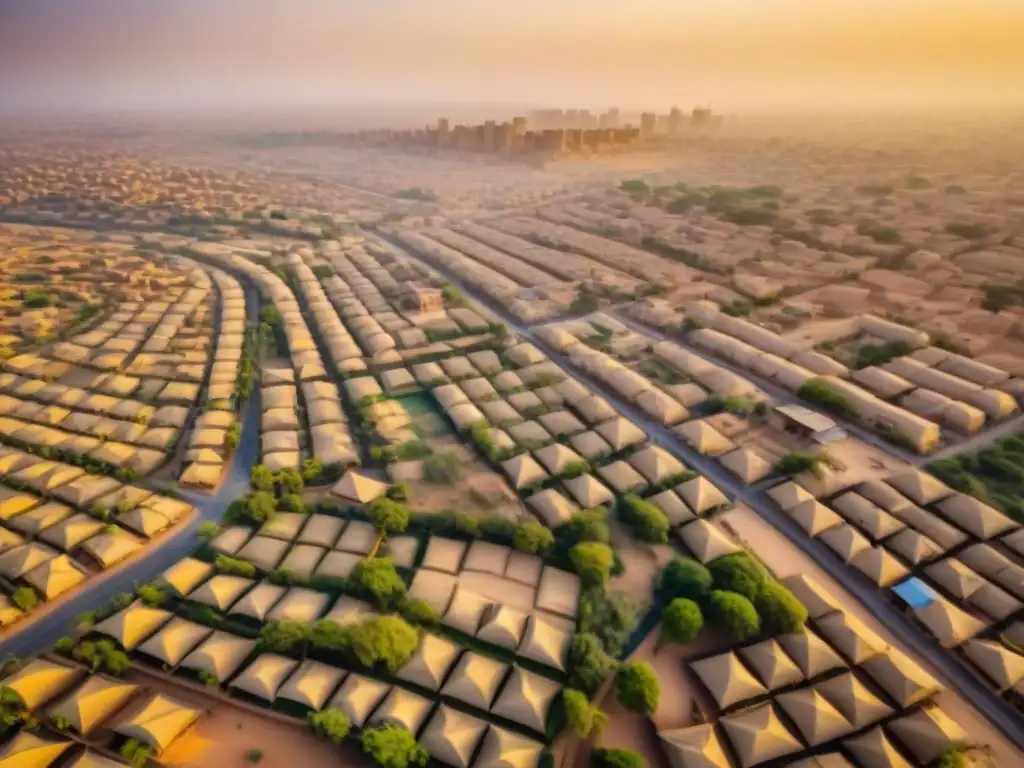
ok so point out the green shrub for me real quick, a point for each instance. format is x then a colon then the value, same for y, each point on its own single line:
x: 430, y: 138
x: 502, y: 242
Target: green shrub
x: 584, y: 718
x: 282, y: 635
x: 611, y: 616
x: 601, y: 757
x: 796, y: 462
x: 388, y: 516
x: 136, y: 753
x: 311, y: 469
x: 589, y: 665
x: 377, y: 580
x: 417, y: 611
x: 681, y: 622
x: 637, y: 687
x: 735, y: 613
x: 391, y: 746
x: 779, y: 610
x: 647, y: 522
x: 740, y: 573
x: 532, y: 538
x: 592, y: 561
x: 330, y: 724
x: 152, y: 595
x: 684, y: 577
x: 230, y: 566
x: 291, y: 502
x: 209, y: 530
x: 261, y: 478
x: 25, y: 598
x: 442, y: 467
x: 260, y: 507
x: 819, y: 392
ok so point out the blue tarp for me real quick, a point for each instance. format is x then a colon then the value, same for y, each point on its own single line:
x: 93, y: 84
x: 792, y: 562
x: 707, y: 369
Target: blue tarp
x: 915, y: 593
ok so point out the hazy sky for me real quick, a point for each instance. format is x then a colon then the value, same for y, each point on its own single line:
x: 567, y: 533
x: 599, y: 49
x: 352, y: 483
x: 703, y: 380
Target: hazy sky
x: 734, y: 54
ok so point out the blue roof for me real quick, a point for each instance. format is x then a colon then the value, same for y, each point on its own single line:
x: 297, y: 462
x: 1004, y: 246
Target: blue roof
x: 915, y: 593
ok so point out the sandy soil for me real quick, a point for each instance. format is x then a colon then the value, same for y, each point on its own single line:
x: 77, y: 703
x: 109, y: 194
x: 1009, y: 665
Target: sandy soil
x: 785, y: 559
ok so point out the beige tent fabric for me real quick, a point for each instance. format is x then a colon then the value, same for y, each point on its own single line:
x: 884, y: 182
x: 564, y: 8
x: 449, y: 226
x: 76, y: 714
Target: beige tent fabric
x: 919, y: 486
x: 131, y: 626
x: 284, y: 525
x: 265, y: 675
x: 258, y: 602
x: 157, y: 720
x: 69, y: 533
x: 757, y: 735
x: 955, y: 578
x: 817, y: 720
x: 674, y: 508
x: 1000, y: 664
x: 846, y: 541
x: 558, y: 592
x: 851, y: 637
x: 789, y: 494
x: 221, y: 654
x: 621, y: 477
x: 874, y: 748
x: 526, y: 699
x: 39, y: 518
x: 444, y: 555
x: 39, y: 681
x: 231, y: 539
x: 621, y: 433
x: 869, y: 518
x: 927, y: 732
x: 697, y: 746
x: 814, y: 517
x: 263, y: 552
x: 552, y: 507
x: 358, y: 696
x: 812, y: 654
x: 706, y: 542
x: 402, y: 708
x: 358, y: 537
x: 311, y: 684
x: 901, y: 678
x: 974, y: 516
x: 851, y: 698
x: 221, y: 591
x: 947, y: 623
x: 727, y: 679
x: 879, y: 566
x: 704, y: 438
x: 656, y: 464
x: 186, y: 575
x: 430, y: 664
x: 505, y: 749
x: 110, y: 548
x: 56, y: 576
x: 545, y: 643
x: 358, y: 488
x: 701, y: 495
x: 771, y: 664
x: 452, y: 736
x: 504, y: 626
x: 28, y: 750
x: 175, y: 640
x: 16, y: 562
x: 485, y: 557
x: 299, y: 604
x: 466, y: 611
x: 475, y: 680
x: 746, y: 464
x: 96, y: 699
x: 913, y: 547
x: 434, y: 587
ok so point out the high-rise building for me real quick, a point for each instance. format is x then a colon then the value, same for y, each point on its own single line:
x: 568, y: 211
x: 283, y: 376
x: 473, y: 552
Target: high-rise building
x: 443, y: 127
x: 648, y: 120
x: 675, y: 122
x: 489, y: 136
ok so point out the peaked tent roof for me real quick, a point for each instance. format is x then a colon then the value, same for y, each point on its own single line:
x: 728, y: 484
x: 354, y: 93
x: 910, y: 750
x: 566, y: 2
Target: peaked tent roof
x: 727, y: 679
x: 873, y: 748
x: 452, y: 736
x: 27, y: 750
x: 927, y: 732
x: 157, y: 720
x: 757, y: 735
x: 1001, y: 665
x: 851, y: 698
x: 505, y: 749
x: 358, y: 487
x: 695, y: 747
x: 817, y: 720
x: 39, y: 681
x: 771, y: 664
x: 92, y: 702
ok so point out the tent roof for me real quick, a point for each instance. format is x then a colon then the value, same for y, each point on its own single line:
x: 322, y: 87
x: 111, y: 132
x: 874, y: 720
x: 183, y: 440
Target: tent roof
x: 311, y: 684
x: 28, y: 750
x: 264, y: 675
x: 465, y: 611
x: 358, y: 487
x: 92, y: 702
x: 813, y: 516
x: 772, y: 665
x: 817, y: 720
x: 874, y: 748
x: 505, y: 749
x: 757, y: 735
x: 656, y: 464
x: 588, y: 491
x: 358, y: 696
x: 851, y: 698
x: 704, y: 438
x: 56, y: 576
x: 452, y: 736
x: 526, y: 698
x: 185, y: 575
x: 879, y: 566
x: 746, y: 464
x: 545, y: 643
x: 430, y: 664
x: 947, y: 623
x: 812, y: 654
x: 919, y: 486
x: 1001, y: 665
x: 133, y: 624
x: 523, y: 471
x: 851, y: 637
x: 39, y: 681
x: 697, y: 746
x: 621, y: 433
x: 706, y: 541
x: 403, y: 708
x: 927, y: 732
x: 701, y: 495
x: 503, y: 625
x: 475, y: 680
x: 175, y: 640
x: 157, y: 720
x: 220, y: 654
x: 553, y: 508
x: 901, y: 677
x: 727, y: 679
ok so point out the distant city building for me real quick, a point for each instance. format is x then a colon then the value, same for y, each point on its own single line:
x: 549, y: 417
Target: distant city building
x: 648, y: 121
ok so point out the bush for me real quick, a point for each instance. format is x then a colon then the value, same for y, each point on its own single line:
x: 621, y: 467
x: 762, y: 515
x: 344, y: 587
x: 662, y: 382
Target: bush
x: 532, y: 538
x: 282, y: 635
x: 209, y: 530
x: 253, y: 756
x: 311, y: 469
x: 152, y: 595
x: 587, y: 525
x: 684, y: 577
x: 25, y: 598
x: 968, y: 230
x: 388, y: 516
x: 291, y: 502
x: 584, y: 718
x: 593, y: 562
x: 442, y: 467
x: 735, y: 613
x: 796, y: 462
x: 387, y: 640
x: 417, y: 611
x: 136, y: 753
x: 820, y: 392
x: 102, y: 655
x: 637, y: 687
x: 740, y: 573
x: 611, y: 616
x: 392, y: 746
x: 600, y: 757
x: 951, y: 757
x: 260, y: 507
x: 589, y: 665
x: 330, y: 724
x: 681, y: 622
x: 779, y: 610
x: 261, y: 478
x: 291, y: 481
x: 230, y: 566
x: 647, y: 522
x: 378, y: 580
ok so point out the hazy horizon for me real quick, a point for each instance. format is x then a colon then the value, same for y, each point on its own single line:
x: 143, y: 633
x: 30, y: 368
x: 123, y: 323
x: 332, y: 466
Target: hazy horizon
x: 736, y: 55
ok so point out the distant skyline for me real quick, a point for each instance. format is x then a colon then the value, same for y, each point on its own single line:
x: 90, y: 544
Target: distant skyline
x: 736, y: 55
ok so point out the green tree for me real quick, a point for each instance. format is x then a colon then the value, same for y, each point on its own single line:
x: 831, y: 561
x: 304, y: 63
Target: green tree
x: 25, y: 598
x: 584, y: 718
x: 601, y: 757
x: 136, y: 753
x: 822, y: 393
x: 740, y: 573
x: 417, y: 611
x: 388, y: 516
x: 209, y: 530
x: 589, y: 665
x: 587, y: 525
x: 532, y: 538
x: 647, y: 522
x: 230, y: 566
x: 684, y: 577
x: 291, y: 480
x: 330, y: 724
x: 378, y: 580
x: 389, y: 640
x: 282, y: 635
x: 593, y: 562
x: 261, y: 478
x: 260, y: 507
x: 311, y: 469
x: 681, y: 622
x: 444, y: 467
x: 232, y: 437
x: 951, y: 757
x: 612, y: 616
x: 637, y: 687
x: 779, y: 610
x: 152, y: 595
x: 796, y: 462
x: 12, y: 707
x: 391, y: 746
x: 735, y: 613
x: 270, y: 315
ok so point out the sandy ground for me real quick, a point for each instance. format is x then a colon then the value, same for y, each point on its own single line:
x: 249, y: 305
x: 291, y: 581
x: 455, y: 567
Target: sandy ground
x: 786, y: 560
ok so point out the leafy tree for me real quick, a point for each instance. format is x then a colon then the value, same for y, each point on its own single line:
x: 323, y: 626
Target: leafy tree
x: 740, y: 573
x: 261, y: 478
x: 611, y: 616
x: 64, y: 645
x: 584, y: 718
x: 593, y: 561
x: 392, y: 746
x: 417, y: 611
x: 681, y: 622
x: 270, y: 315
x: 637, y: 687
x: 532, y: 538
x: 208, y: 679
x: 291, y: 480
x: 25, y: 598
x: 291, y: 502
x: 735, y: 613
x: 152, y: 595
x: 601, y: 757
x: 260, y: 507
x: 587, y: 525
x: 281, y: 635
x: 330, y: 724
x: 209, y: 530
x: 589, y: 665
x: 443, y: 467
x: 231, y: 566
x: 136, y: 753
x: 820, y: 392
x: 377, y: 579
x: 12, y: 707
x: 388, y: 516
x: 388, y: 640
x: 779, y: 610
x: 311, y: 469
x: 647, y: 522
x: 796, y: 462
x: 232, y: 437
x: 684, y: 577
x: 253, y: 756
x: 951, y: 757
